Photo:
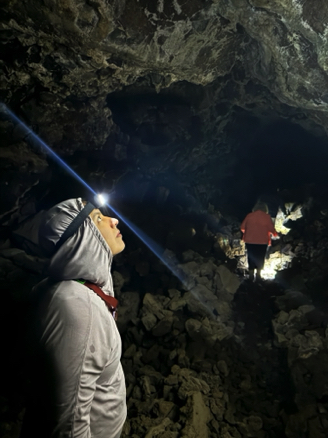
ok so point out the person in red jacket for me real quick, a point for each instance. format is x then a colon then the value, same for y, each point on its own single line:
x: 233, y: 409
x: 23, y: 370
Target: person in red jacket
x: 257, y: 228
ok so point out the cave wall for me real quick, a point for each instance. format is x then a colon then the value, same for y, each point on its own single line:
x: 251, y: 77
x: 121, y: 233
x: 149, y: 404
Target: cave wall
x: 64, y: 65
x: 186, y: 112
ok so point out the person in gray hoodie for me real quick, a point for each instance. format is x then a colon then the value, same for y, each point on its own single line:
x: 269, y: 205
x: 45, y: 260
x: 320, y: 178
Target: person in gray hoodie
x: 78, y: 381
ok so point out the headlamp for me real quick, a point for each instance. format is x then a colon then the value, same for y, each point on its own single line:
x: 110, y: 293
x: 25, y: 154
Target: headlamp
x: 101, y: 199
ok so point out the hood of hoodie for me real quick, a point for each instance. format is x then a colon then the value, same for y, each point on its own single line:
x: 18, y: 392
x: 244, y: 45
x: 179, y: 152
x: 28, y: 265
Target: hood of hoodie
x: 85, y: 255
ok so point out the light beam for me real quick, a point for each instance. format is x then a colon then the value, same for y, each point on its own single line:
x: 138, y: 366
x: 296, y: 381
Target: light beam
x: 153, y: 246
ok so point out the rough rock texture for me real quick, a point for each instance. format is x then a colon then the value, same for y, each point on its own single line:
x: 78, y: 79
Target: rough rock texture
x: 155, y: 86
x: 98, y: 47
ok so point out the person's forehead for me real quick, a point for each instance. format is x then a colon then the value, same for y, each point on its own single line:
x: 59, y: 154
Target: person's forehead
x: 95, y: 211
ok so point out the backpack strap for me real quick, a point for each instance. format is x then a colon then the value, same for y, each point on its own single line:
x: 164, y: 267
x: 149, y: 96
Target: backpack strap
x: 111, y: 302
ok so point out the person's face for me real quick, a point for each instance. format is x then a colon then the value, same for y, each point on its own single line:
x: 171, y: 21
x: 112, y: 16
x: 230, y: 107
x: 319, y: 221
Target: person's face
x: 107, y: 227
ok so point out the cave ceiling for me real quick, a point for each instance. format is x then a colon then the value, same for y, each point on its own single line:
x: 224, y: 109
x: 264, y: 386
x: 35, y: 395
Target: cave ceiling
x: 156, y: 88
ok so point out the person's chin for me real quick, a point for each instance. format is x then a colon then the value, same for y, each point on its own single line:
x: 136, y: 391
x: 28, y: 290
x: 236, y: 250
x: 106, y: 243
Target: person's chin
x: 120, y: 248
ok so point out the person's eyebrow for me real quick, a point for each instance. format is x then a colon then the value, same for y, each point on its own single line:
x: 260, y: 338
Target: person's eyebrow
x: 95, y: 212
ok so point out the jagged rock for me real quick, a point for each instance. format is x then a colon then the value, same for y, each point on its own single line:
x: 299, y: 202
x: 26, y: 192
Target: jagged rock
x: 199, y: 415
x: 194, y: 299
x: 177, y: 303
x: 118, y: 281
x: 217, y: 408
x: 170, y: 434
x: 230, y: 282
x: 180, y: 357
x: 251, y: 427
x: 208, y: 331
x: 190, y: 255
x: 165, y: 409
x: 129, y: 303
x: 307, y: 345
x: 202, y: 300
x: 229, y: 432
x: 152, y: 354
x: 190, y: 269
x: 164, y: 326
x: 174, y: 293
x: 224, y: 311
x: 306, y: 308
x: 285, y: 322
x: 287, y: 330
x: 149, y: 321
x: 146, y: 385
x: 223, y: 367
x: 190, y: 386
x: 193, y: 327
x: 204, y: 281
x: 159, y: 429
x: 172, y: 380
x: 130, y: 352
x: 130, y: 383
x: 207, y: 270
x: 155, y: 304
x: 229, y: 414
x: 137, y: 393
x: 23, y: 260
x: 136, y: 335
x: 292, y: 300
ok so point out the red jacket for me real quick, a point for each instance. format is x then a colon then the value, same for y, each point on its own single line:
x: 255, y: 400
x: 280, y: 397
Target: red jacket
x: 257, y: 228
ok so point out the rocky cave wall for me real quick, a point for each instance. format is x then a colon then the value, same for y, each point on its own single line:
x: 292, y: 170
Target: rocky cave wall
x: 187, y: 113
x: 63, y: 62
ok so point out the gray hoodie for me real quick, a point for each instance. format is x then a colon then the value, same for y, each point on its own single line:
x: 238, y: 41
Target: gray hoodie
x: 79, y: 340
x: 85, y: 255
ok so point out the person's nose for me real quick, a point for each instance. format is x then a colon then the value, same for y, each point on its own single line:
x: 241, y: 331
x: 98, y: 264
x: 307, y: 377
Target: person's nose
x: 113, y: 221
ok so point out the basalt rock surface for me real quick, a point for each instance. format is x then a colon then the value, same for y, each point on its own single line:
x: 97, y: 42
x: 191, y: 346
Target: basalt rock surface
x: 154, y: 86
